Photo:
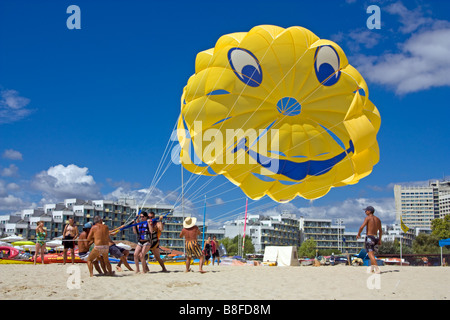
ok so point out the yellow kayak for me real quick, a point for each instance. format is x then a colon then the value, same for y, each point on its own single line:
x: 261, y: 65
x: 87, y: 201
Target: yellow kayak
x: 23, y: 243
x: 13, y: 261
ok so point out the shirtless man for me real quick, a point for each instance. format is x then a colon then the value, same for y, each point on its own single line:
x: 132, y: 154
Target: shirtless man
x: 83, y: 246
x: 99, y: 235
x: 70, y: 233
x: 373, y: 226
x: 190, y: 233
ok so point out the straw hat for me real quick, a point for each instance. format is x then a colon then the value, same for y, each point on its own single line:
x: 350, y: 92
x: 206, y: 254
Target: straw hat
x: 189, y: 222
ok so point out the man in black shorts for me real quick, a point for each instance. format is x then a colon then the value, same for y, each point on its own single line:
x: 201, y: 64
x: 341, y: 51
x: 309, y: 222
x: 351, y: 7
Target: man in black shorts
x: 119, y: 253
x: 373, y: 236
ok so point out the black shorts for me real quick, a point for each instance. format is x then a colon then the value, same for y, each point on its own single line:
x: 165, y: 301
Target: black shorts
x: 371, y: 244
x: 216, y: 254
x: 116, y: 251
x: 68, y: 242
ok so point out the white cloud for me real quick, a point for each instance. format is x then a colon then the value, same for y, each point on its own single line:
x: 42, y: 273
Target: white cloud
x: 423, y: 63
x: 420, y: 61
x: 12, y: 154
x: 60, y: 182
x: 145, y: 195
x: 12, y: 106
x: 411, y: 20
x: 7, y: 200
x: 11, y: 171
x: 10, y: 202
x: 358, y: 38
x: 351, y: 211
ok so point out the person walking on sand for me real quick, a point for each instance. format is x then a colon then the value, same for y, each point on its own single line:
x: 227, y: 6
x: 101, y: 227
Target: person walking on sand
x: 190, y: 233
x: 373, y: 236
x: 70, y: 233
x: 215, y: 250
x: 207, y: 250
x: 99, y: 235
x: 144, y: 232
x: 41, y: 234
x: 157, y: 228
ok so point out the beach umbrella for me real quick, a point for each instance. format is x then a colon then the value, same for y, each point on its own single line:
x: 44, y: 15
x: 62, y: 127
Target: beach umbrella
x: 53, y: 243
x: 29, y: 247
x: 12, y: 239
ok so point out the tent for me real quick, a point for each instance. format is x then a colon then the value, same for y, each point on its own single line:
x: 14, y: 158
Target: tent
x: 282, y: 255
x: 444, y: 242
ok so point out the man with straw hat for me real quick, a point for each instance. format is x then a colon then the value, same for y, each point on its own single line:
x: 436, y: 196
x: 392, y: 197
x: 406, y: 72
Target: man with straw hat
x: 190, y: 233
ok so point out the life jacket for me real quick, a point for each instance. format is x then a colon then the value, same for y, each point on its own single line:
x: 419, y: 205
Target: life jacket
x: 144, y: 233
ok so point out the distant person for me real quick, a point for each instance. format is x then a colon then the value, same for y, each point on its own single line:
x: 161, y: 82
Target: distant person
x: 157, y: 228
x: 84, y: 246
x: 41, y: 234
x: 70, y: 233
x: 373, y: 236
x: 207, y: 250
x: 190, y: 233
x: 215, y: 250
x: 99, y: 235
x: 144, y: 231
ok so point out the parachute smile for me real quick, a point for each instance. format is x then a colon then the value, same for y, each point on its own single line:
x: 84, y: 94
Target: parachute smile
x: 295, y: 170
x: 279, y: 112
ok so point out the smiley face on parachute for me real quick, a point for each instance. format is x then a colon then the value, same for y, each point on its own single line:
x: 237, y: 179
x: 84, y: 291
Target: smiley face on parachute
x: 279, y: 112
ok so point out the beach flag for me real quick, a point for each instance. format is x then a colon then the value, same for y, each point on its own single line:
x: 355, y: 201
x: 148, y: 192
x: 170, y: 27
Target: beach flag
x: 403, y: 226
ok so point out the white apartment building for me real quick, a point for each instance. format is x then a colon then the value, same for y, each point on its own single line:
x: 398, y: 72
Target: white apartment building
x: 277, y: 230
x: 329, y: 236
x: 419, y: 205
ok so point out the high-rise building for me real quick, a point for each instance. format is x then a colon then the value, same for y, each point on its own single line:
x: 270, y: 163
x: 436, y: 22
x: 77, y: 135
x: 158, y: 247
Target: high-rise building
x: 329, y: 236
x: 419, y: 205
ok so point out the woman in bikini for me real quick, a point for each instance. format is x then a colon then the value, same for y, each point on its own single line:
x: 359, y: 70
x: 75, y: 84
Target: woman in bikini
x: 70, y: 233
x: 157, y: 227
x: 144, y: 231
x: 41, y: 234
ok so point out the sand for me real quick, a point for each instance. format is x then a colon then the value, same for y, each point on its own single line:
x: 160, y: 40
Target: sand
x: 53, y: 281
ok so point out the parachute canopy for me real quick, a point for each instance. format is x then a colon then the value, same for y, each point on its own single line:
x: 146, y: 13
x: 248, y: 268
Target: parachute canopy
x: 278, y: 112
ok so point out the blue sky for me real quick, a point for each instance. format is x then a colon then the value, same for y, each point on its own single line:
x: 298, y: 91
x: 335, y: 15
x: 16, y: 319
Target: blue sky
x: 88, y: 113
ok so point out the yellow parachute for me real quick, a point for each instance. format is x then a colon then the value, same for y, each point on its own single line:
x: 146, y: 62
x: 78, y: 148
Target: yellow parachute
x: 278, y: 112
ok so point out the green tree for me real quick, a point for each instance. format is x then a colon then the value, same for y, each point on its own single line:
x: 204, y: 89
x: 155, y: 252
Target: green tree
x: 308, y: 248
x: 328, y: 252
x: 231, y: 245
x: 426, y: 244
x: 441, y: 227
x: 393, y: 247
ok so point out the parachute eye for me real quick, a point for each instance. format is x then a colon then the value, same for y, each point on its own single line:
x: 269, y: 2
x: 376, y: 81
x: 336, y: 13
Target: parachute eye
x: 326, y: 65
x: 246, y: 66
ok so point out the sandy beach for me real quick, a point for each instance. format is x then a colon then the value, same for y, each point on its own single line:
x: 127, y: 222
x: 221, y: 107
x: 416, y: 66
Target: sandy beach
x: 53, y: 281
